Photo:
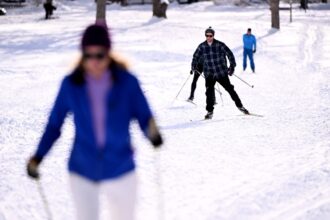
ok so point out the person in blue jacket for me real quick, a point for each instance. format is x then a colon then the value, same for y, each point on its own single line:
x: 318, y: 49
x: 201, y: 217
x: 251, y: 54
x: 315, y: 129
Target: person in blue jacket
x: 104, y: 97
x: 250, y: 47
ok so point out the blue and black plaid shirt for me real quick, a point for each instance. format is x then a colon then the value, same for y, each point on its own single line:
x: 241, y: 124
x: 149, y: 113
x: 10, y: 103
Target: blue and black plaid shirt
x: 214, y: 58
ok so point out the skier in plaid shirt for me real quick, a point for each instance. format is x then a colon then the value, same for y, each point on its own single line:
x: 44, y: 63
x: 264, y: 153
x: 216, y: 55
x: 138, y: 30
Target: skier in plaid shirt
x: 214, y: 54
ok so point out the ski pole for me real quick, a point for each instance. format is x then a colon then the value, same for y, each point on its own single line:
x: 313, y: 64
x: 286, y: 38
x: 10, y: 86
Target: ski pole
x: 159, y: 185
x: 44, y: 200
x: 252, y: 86
x: 185, y: 82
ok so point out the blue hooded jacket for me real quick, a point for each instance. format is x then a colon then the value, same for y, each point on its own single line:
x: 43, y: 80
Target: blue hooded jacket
x: 125, y: 102
x: 249, y: 42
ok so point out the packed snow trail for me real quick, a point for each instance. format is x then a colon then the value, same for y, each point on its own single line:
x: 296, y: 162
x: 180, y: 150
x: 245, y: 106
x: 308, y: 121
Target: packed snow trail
x: 232, y: 167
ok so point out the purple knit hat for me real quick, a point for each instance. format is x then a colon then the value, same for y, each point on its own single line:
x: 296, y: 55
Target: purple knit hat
x: 96, y: 35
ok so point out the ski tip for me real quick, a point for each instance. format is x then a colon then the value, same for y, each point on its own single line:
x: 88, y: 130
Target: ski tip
x: 192, y: 102
x: 256, y: 115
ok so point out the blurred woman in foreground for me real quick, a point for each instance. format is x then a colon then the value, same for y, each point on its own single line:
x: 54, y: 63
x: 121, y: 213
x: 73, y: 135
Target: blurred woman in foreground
x: 103, y: 98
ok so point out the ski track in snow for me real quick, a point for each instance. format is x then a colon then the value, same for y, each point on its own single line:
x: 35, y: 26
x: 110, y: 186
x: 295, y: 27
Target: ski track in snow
x: 271, y: 168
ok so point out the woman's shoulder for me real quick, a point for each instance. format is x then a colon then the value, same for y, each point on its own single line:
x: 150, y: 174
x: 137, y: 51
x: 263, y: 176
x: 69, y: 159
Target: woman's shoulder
x: 76, y: 77
x: 119, y: 75
x: 124, y: 76
x: 67, y: 80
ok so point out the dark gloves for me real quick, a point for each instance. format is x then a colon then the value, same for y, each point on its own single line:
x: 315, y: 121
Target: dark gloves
x: 32, y: 167
x: 154, y: 135
x: 231, y: 70
x: 192, y: 72
x: 255, y: 50
x: 157, y: 141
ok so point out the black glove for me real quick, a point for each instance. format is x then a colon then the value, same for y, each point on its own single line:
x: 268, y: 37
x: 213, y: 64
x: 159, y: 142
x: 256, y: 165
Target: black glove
x: 231, y: 70
x: 154, y: 135
x: 157, y: 140
x: 32, y: 167
x: 192, y: 72
x: 255, y: 50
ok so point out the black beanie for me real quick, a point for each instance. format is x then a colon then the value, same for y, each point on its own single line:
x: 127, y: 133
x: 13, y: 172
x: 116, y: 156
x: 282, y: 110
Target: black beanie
x: 96, y: 35
x: 210, y: 30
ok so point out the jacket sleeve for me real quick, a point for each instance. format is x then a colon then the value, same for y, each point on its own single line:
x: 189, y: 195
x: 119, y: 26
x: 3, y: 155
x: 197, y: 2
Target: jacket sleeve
x: 243, y: 39
x: 230, y: 56
x: 255, y: 43
x: 141, y: 108
x: 53, y: 128
x: 196, y: 57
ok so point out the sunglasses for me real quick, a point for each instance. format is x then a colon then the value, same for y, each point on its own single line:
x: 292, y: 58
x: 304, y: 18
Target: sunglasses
x: 208, y: 35
x: 97, y: 56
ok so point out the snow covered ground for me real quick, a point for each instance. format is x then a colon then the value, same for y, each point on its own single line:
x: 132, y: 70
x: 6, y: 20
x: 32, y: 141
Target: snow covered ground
x: 233, y: 167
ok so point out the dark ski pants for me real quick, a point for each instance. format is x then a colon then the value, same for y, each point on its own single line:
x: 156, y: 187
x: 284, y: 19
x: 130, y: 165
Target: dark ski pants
x: 225, y: 83
x: 248, y: 53
x: 194, y: 86
x: 49, y: 8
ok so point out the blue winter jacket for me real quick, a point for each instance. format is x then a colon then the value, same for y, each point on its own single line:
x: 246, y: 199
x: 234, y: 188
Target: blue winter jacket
x: 249, y: 42
x: 125, y: 103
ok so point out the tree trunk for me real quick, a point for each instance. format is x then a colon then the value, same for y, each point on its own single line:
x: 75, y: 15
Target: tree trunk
x: 38, y: 2
x: 159, y: 8
x: 101, y: 11
x: 275, y: 10
x: 124, y: 3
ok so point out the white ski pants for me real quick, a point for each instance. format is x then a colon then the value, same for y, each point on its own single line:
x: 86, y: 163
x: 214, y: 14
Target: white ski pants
x: 120, y: 192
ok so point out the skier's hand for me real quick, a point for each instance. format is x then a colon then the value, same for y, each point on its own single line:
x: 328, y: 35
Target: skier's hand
x: 154, y: 135
x: 231, y: 70
x: 255, y: 50
x: 157, y: 141
x: 32, y: 167
x: 192, y: 72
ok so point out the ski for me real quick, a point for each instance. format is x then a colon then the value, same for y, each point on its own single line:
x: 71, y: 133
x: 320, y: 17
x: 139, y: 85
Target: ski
x: 211, y: 119
x: 191, y: 102
x: 252, y: 114
x: 51, y: 18
x: 200, y: 120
